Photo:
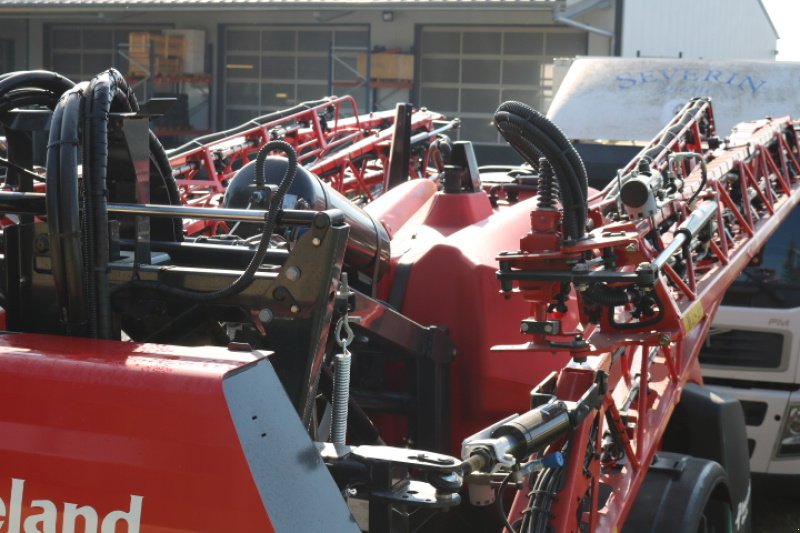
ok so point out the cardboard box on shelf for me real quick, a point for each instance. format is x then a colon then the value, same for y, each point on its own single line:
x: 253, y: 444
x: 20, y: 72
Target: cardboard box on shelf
x: 167, y: 45
x: 388, y: 66
x: 194, y: 49
x: 169, y: 66
x: 173, y: 52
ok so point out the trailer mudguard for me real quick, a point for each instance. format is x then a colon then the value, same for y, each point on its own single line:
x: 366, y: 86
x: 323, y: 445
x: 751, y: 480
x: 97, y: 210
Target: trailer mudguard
x: 680, y: 493
x: 711, y: 425
x: 102, y: 436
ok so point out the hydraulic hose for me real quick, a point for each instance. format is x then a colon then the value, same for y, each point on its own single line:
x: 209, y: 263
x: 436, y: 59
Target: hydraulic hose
x: 542, y: 496
x: 27, y: 97
x: 611, y: 296
x: 247, y: 277
x: 78, y: 209
x: 30, y: 88
x: 159, y: 163
x: 533, y: 136
x: 669, y: 136
x: 48, y: 82
x: 108, y: 91
x: 62, y: 200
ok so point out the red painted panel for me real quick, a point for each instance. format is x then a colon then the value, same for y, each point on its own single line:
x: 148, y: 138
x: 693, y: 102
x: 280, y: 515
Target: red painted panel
x: 132, y: 433
x: 452, y: 283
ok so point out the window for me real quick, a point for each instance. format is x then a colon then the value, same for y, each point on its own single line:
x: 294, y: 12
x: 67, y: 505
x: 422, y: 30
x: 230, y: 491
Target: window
x: 272, y: 68
x: 469, y: 72
x: 773, y: 279
x: 81, y: 52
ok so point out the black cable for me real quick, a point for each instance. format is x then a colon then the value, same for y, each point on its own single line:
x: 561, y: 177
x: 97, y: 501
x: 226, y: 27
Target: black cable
x: 27, y: 97
x: 702, y: 186
x: 30, y: 88
x: 612, y: 296
x: 160, y: 164
x: 246, y: 278
x: 19, y: 168
x: 501, y: 508
x: 53, y: 204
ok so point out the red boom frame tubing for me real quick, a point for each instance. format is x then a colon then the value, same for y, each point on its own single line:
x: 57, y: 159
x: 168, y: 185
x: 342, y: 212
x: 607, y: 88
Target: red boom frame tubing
x: 750, y: 187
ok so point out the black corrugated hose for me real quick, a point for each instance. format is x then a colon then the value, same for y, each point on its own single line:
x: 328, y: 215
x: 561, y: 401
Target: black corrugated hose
x: 78, y: 219
x: 34, y: 87
x: 107, y: 92
x: 671, y: 134
x: 62, y: 199
x: 533, y: 135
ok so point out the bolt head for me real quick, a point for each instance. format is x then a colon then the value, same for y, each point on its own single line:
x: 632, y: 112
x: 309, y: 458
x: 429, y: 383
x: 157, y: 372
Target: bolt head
x: 295, y: 309
x: 42, y: 244
x: 265, y: 316
x: 293, y: 273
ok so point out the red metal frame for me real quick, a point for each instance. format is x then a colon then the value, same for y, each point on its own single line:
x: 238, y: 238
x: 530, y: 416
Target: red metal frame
x: 348, y: 150
x: 761, y: 163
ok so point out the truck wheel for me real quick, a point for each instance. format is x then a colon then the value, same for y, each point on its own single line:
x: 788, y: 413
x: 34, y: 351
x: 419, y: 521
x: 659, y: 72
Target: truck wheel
x: 717, y: 517
x: 682, y: 493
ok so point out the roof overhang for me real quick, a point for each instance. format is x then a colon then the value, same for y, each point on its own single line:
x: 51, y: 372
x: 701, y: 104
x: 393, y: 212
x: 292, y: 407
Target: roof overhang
x: 172, y: 5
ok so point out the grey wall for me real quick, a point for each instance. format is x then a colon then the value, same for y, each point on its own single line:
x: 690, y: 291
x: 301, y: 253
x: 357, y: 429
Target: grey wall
x: 711, y: 29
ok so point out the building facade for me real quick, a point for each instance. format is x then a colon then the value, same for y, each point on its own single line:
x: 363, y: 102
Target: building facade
x: 466, y: 56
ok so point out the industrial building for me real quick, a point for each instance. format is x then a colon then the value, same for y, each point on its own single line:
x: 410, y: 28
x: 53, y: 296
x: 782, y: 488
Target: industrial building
x: 228, y: 61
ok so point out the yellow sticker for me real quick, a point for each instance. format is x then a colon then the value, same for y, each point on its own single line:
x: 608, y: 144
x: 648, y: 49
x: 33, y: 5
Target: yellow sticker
x: 693, y: 316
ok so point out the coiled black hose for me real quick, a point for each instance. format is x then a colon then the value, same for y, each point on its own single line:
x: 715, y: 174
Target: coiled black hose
x: 30, y: 88
x: 77, y: 210
x: 49, y: 86
x: 246, y: 278
x: 533, y: 136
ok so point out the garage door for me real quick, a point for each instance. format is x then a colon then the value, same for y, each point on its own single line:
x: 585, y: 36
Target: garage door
x: 270, y: 68
x: 469, y: 72
x: 80, y: 52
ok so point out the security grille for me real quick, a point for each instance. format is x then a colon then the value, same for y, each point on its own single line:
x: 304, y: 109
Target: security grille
x: 743, y: 349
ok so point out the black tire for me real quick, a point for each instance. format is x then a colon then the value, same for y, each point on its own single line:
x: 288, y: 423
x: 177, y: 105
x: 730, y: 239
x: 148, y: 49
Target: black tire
x: 717, y: 517
x: 682, y: 493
